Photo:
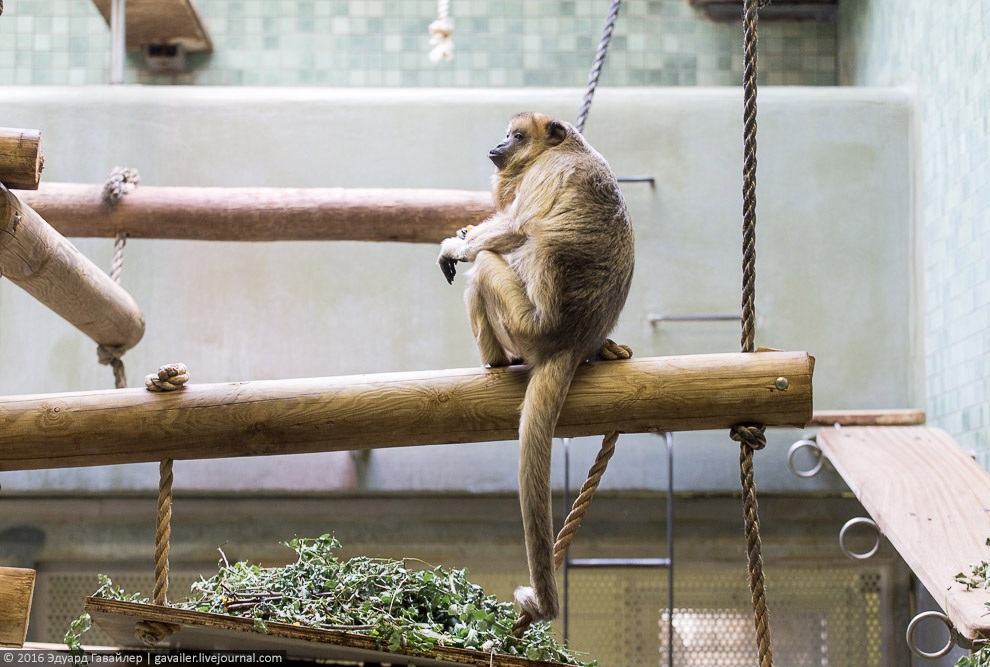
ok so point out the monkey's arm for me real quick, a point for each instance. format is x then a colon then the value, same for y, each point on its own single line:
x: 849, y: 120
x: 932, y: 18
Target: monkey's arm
x: 499, y: 234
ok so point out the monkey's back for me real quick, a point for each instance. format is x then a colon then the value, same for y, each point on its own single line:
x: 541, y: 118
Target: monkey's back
x: 577, y: 262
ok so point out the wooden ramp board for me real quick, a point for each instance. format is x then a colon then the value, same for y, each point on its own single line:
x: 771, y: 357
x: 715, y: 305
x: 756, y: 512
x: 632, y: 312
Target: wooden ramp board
x: 930, y: 499
x: 892, y: 417
x: 162, y: 22
x: 16, y: 594
x: 215, y: 632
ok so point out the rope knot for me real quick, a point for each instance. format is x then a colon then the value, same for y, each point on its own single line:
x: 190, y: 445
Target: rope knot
x: 150, y: 633
x: 751, y: 435
x: 120, y: 181
x: 443, y: 45
x: 108, y: 354
x: 168, y: 378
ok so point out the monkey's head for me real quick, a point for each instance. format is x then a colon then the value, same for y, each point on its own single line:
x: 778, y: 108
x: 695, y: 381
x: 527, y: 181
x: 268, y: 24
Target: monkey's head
x: 529, y: 134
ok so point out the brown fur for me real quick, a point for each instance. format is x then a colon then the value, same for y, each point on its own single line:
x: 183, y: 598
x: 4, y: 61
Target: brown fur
x: 552, y: 272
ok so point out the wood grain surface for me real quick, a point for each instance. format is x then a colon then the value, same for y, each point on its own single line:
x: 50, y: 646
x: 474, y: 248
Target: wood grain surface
x: 262, y: 214
x: 162, y: 22
x: 44, y: 264
x: 21, y: 158
x: 930, y: 499
x: 217, y: 632
x: 395, y: 409
x: 891, y: 417
x: 16, y: 593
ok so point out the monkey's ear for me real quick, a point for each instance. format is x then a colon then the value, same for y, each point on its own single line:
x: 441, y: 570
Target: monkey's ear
x: 556, y: 132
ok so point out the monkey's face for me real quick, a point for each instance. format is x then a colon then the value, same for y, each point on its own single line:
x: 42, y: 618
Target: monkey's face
x: 529, y: 134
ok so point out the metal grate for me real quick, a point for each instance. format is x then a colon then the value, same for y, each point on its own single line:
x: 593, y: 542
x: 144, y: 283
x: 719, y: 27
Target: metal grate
x: 826, y: 616
x: 59, y: 598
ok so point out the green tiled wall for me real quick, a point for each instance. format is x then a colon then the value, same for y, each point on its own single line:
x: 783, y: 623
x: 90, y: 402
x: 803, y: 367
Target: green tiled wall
x: 943, y: 50
x: 384, y: 43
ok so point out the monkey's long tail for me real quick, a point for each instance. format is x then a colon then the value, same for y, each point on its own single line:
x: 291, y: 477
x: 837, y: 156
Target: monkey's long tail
x: 545, y: 394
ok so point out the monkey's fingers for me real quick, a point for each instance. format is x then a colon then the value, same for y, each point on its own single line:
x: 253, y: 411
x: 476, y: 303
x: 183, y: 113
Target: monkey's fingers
x: 447, y: 266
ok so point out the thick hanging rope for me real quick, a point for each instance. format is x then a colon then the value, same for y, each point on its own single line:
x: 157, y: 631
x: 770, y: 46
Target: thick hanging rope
x: 119, y: 182
x: 440, y: 32
x: 168, y: 378
x: 751, y: 436
x: 596, y: 67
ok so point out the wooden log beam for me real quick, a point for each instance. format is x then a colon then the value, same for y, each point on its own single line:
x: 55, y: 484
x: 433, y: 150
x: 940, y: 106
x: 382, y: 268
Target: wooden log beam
x: 262, y: 214
x: 44, y: 264
x: 930, y: 499
x: 16, y: 594
x: 892, y: 417
x: 21, y: 158
x: 395, y: 410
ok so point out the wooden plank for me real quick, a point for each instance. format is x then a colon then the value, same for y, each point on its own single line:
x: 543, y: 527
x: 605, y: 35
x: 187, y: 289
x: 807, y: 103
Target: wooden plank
x: 930, y: 499
x: 892, y: 417
x: 395, y: 410
x: 21, y: 158
x: 217, y: 632
x: 44, y: 264
x: 162, y: 22
x: 16, y: 594
x: 262, y: 214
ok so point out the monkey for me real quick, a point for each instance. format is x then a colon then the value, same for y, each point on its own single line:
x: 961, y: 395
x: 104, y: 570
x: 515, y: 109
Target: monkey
x: 552, y: 269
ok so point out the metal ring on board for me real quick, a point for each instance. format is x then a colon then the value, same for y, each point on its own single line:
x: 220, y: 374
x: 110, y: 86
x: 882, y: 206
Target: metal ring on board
x: 912, y: 630
x: 813, y: 446
x: 855, y: 522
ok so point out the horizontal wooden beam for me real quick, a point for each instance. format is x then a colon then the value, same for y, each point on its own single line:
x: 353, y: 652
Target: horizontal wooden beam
x: 44, y: 264
x: 892, y: 417
x: 162, y: 22
x: 16, y: 594
x: 262, y: 214
x: 395, y: 410
x: 21, y: 158
x: 931, y: 501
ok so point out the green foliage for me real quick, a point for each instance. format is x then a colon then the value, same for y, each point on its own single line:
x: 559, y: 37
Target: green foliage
x: 980, y: 658
x: 416, y: 610
x: 976, y: 579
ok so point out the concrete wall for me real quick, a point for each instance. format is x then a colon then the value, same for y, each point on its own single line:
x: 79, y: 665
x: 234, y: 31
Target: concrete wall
x: 835, y: 270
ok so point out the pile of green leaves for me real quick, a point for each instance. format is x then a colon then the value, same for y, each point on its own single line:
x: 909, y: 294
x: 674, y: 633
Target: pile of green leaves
x: 977, y: 578
x: 416, y: 610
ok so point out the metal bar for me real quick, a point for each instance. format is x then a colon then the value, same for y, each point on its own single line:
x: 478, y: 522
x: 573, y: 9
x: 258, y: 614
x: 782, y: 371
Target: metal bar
x: 567, y: 508
x: 637, y: 179
x: 693, y: 318
x: 118, y: 39
x: 619, y: 562
x: 670, y: 548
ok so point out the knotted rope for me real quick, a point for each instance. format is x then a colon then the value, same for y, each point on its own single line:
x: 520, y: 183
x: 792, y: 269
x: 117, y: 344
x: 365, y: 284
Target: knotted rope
x: 168, y: 378
x: 751, y: 436
x: 596, y: 67
x: 579, y: 508
x: 440, y: 32
x: 119, y: 182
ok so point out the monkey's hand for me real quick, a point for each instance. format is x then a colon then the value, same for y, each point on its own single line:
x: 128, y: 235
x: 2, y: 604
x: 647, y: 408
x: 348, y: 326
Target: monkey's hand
x: 451, y: 252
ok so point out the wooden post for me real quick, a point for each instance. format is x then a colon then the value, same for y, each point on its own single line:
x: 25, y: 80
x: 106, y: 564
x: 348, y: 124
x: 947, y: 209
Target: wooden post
x: 395, y: 410
x: 261, y: 214
x: 21, y: 158
x: 16, y: 594
x: 44, y: 264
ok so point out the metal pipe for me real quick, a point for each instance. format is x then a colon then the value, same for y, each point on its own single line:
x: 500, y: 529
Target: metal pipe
x: 619, y: 562
x: 670, y: 548
x: 567, y: 508
x: 693, y: 318
x: 118, y: 40
x: 637, y: 179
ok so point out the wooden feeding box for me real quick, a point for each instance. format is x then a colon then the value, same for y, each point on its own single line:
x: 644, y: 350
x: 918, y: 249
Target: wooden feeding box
x: 216, y: 632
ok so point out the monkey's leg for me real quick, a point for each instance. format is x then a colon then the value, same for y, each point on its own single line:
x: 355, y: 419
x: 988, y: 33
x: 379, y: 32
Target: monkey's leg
x: 492, y: 352
x: 510, y: 312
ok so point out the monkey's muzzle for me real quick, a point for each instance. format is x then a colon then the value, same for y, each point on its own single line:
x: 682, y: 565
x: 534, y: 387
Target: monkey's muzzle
x: 497, y: 155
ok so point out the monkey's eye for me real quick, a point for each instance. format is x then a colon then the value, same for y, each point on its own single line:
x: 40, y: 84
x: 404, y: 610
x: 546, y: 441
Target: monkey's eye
x: 518, y: 136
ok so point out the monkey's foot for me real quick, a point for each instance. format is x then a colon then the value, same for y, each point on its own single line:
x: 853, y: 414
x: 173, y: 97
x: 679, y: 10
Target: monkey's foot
x: 529, y: 603
x: 447, y: 266
x: 611, y: 351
